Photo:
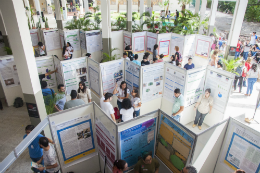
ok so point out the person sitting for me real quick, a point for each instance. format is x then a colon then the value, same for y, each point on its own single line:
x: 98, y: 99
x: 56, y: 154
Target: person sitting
x: 74, y: 101
x: 125, y: 56
x: 136, y: 60
x: 145, y: 61
x: 41, y: 49
x: 189, y: 65
x: 88, y: 55
x: 219, y: 66
x: 178, y: 105
x: 174, y: 61
x: 48, y: 94
x: 106, y: 105
x: 61, y: 98
x: 84, y: 93
x: 147, y: 164
x: 66, y: 53
x: 189, y: 169
x: 161, y: 58
x: 127, y: 110
x: 120, y: 166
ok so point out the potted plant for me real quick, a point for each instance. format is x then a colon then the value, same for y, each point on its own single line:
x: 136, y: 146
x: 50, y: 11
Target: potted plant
x: 8, y: 50
x: 29, y: 24
x: 33, y: 24
x: 109, y: 57
x: 46, y: 24
x: 38, y: 24
x: 231, y: 65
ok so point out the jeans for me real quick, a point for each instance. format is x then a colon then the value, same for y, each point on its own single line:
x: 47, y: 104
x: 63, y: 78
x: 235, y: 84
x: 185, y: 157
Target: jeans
x: 177, y: 117
x: 36, y: 160
x: 253, y: 53
x: 199, y: 117
x: 245, y: 55
x: 250, y: 83
x: 240, y: 83
x: 119, y: 104
x: 237, y: 55
x: 136, y: 113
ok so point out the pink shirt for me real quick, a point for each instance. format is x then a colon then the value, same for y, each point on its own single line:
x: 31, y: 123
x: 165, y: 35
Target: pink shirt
x: 160, y: 60
x: 116, y: 170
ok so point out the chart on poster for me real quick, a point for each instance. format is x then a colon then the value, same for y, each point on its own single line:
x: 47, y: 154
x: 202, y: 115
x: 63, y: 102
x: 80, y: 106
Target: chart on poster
x: 173, y: 80
x: 127, y: 39
x: 9, y: 73
x: 132, y: 72
x: 94, y: 41
x: 52, y: 40
x: 34, y: 37
x: 76, y: 138
x: 74, y: 71
x: 151, y: 41
x: 139, y: 42
x: 137, y: 139
x: 152, y: 82
x: 203, y: 45
x: 72, y: 36
x: 112, y: 74
x: 94, y: 78
x: 177, y: 40
x: 82, y: 39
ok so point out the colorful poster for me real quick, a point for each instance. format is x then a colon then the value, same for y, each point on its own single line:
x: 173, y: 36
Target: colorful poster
x: 94, y: 78
x: 132, y: 75
x: 82, y: 39
x: 177, y: 40
x: 151, y: 41
x: 164, y: 48
x: 127, y: 39
x: 52, y: 40
x: 94, y: 41
x: 72, y: 36
x: 34, y: 37
x: 152, y: 82
x: 189, y: 48
x: 137, y: 139
x: 9, y: 73
x: 112, y: 74
x: 173, y: 80
x: 220, y: 87
x: 139, y: 42
x: 203, y: 46
x: 173, y: 145
x: 76, y: 138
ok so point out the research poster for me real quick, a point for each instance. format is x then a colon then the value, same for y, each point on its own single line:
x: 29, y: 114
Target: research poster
x: 177, y: 40
x: 94, y: 41
x: 72, y: 36
x: 74, y: 71
x: 45, y: 66
x: 164, y: 44
x: 139, y: 42
x: 132, y: 73
x: 137, y: 139
x: 127, y: 39
x: 189, y: 48
x: 9, y: 73
x: 203, y: 46
x: 82, y: 39
x: 195, y: 86
x: 76, y: 138
x: 152, y: 82
x: 107, y: 143
x: 94, y: 78
x: 220, y: 86
x: 151, y: 41
x: 112, y: 74
x: 34, y: 37
x: 52, y: 40
x: 62, y: 43
x: 173, y: 144
x: 59, y: 72
x: 173, y: 80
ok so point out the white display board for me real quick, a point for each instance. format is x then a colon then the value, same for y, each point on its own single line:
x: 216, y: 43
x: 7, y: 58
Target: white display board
x: 189, y: 48
x: 152, y: 81
x: 127, y: 39
x: 177, y: 40
x: 59, y: 73
x: 74, y: 71
x: 62, y: 41
x: 138, y: 42
x: 94, y: 75
x: 9, y: 73
x: 132, y: 75
x: 164, y: 43
x: 151, y: 40
x: 82, y: 39
x: 203, y: 46
x: 72, y: 36
x: 94, y: 41
x: 34, y: 37
x: 52, y: 39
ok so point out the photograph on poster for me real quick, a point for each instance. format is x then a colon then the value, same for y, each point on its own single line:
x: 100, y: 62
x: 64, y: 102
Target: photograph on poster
x: 9, y: 73
x: 173, y: 145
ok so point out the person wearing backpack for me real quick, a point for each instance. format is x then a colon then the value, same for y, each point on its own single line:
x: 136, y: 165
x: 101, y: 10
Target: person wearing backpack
x: 239, y: 76
x: 177, y: 54
x: 48, y: 94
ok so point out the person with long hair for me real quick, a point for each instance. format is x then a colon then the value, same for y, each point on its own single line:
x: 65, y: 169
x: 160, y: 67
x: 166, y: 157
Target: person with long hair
x: 252, y: 76
x: 136, y: 102
x: 70, y: 49
x: 155, y: 51
x: 239, y: 75
x: 66, y: 53
x: 177, y: 53
x: 214, y: 59
x: 248, y: 67
x: 84, y: 93
x: 127, y: 110
x: 122, y: 93
x: 120, y: 166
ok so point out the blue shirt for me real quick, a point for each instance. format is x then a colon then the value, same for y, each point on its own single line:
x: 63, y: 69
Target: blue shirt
x: 188, y: 67
x: 220, y: 43
x: 178, y: 102
x: 137, y: 62
x: 47, y: 91
x: 61, y: 102
x: 35, y: 150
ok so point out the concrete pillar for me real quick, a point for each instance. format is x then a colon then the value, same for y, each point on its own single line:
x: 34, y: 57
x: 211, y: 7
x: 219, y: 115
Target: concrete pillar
x: 81, y: 7
x: 202, y: 13
x: 27, y: 4
x: 141, y: 9
x: 19, y: 36
x: 64, y: 6
x: 236, y: 25
x: 86, y: 7
x: 197, y: 6
x: 212, y: 17
x: 106, y: 25
x: 58, y: 14
x: 3, y: 30
x: 149, y: 3
x: 129, y: 15
x: 38, y: 11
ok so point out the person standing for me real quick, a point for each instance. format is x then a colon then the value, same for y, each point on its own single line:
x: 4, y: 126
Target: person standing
x: 204, y: 105
x: 177, y: 53
x: 252, y: 76
x: 147, y: 164
x: 155, y: 51
x: 84, y: 93
x: 70, y: 49
x: 41, y: 49
x: 65, y: 53
x: 189, y: 65
x: 126, y: 110
x: 136, y: 102
x: 248, y: 67
x: 239, y: 76
x: 106, y: 105
x: 174, y: 61
x: 214, y: 59
x: 128, y: 50
x: 136, y: 60
x: 61, y: 98
x: 177, y: 14
x: 178, y: 105
x: 74, y: 101
x: 238, y: 49
x: 247, y: 47
x: 123, y: 93
x: 253, y: 38
x: 48, y: 94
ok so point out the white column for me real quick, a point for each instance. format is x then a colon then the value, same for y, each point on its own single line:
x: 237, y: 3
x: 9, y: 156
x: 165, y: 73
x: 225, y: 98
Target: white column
x: 86, y: 7
x: 106, y: 26
x: 129, y: 15
x: 3, y: 30
x: 19, y: 36
x: 38, y: 11
x: 81, y: 7
x: 141, y: 9
x: 212, y: 17
x: 64, y: 6
x: 149, y: 3
x: 202, y: 13
x: 58, y: 14
x: 197, y: 6
x: 48, y: 2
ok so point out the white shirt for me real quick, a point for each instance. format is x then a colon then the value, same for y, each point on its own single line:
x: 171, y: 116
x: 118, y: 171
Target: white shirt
x: 252, y: 74
x: 50, y: 158
x: 121, y: 93
x: 126, y: 58
x: 127, y: 114
x: 41, y: 50
x: 106, y: 107
x: 135, y: 101
x: 253, y: 39
x: 70, y: 48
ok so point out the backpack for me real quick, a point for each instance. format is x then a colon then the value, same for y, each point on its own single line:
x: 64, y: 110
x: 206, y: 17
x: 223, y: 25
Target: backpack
x: 18, y: 102
x: 180, y: 57
x: 48, y: 98
x: 239, y: 70
x: 117, y: 113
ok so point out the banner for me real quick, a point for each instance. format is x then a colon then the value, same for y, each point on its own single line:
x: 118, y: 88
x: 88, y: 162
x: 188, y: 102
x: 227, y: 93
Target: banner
x: 94, y: 78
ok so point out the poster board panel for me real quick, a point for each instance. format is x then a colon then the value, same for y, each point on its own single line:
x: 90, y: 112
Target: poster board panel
x: 93, y: 41
x: 117, y: 40
x: 34, y: 33
x: 132, y: 75
x: 127, y: 39
x: 189, y: 48
x: 164, y: 43
x: 59, y: 73
x: 52, y: 39
x: 94, y: 76
x: 151, y: 40
x: 138, y: 42
x: 82, y: 39
x: 177, y: 40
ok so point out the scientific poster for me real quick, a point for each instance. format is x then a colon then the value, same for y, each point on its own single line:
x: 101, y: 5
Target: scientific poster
x: 52, y: 40
x: 57, y: 65
x: 34, y: 37
x: 139, y: 42
x: 94, y: 41
x: 189, y: 48
x: 106, y: 143
x: 74, y: 71
x: 132, y: 73
x: 72, y: 36
x: 195, y: 86
x: 137, y: 139
x: 76, y: 138
x: 152, y: 82
x: 164, y: 44
x: 151, y: 41
x: 62, y: 39
x: 203, y: 46
x: 173, y: 80
x: 127, y: 39
x: 45, y: 66
x: 9, y: 73
x: 82, y: 39
x: 112, y: 74
x: 173, y: 144
x: 220, y: 86
x: 177, y: 40
x: 93, y: 78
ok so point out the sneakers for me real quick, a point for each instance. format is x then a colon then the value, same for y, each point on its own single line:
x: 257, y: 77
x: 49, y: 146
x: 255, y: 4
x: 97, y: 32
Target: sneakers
x: 194, y: 125
x: 199, y: 127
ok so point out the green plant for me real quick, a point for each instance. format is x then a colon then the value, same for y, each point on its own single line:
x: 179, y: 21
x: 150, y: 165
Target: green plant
x: 77, y: 7
x: 231, y: 65
x: 97, y: 20
x: 46, y: 23
x: 38, y: 24
x: 32, y: 11
x: 8, y: 50
x: 183, y: 4
x: 29, y: 24
x: 109, y: 57
x: 164, y: 4
x: 120, y: 23
x: 138, y: 27
x: 32, y: 21
x: 227, y: 7
x: 51, y: 102
x: 53, y: 7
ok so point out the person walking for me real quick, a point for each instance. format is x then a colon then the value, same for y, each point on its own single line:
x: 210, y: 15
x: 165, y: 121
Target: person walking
x: 252, y: 76
x: 84, y: 93
x: 239, y: 76
x: 178, y: 105
x: 106, y: 106
x: 246, y: 49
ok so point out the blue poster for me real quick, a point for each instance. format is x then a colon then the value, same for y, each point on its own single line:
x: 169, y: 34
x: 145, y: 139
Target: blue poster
x: 136, y: 140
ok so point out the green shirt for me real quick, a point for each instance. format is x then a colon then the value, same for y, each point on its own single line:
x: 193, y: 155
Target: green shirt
x: 141, y: 167
x: 73, y: 103
x: 178, y: 102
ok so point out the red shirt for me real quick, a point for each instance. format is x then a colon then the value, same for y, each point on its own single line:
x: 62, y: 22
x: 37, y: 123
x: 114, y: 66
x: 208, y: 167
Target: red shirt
x: 238, y: 47
x: 248, y: 66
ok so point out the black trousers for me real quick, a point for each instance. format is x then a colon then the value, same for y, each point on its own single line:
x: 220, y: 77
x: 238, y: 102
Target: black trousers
x: 240, y: 83
x: 1, y: 106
